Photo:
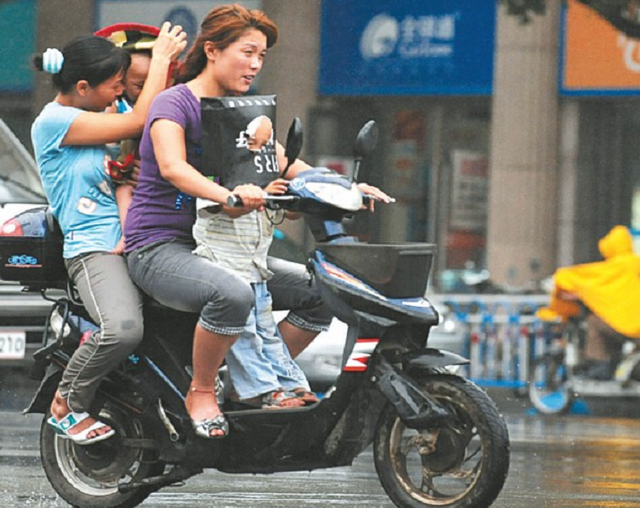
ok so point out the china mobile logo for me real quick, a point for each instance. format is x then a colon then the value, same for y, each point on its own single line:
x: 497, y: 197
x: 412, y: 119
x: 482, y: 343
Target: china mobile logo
x: 425, y: 36
x: 630, y: 52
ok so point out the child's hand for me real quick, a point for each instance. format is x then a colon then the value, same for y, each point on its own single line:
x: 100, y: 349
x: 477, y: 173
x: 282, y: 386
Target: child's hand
x: 278, y: 186
x: 170, y: 42
x: 132, y: 177
x: 119, y: 248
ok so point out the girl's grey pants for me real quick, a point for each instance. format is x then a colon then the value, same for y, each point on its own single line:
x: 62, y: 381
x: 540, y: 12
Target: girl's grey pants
x: 115, y: 304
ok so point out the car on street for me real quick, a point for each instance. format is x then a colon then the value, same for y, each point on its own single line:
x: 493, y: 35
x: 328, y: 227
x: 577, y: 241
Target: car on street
x: 22, y: 315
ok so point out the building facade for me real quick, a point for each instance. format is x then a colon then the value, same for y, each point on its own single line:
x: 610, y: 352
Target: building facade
x: 497, y: 139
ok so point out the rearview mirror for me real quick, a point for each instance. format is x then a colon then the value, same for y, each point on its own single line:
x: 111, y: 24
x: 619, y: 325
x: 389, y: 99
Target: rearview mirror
x: 366, y: 140
x: 295, y: 138
x: 365, y: 143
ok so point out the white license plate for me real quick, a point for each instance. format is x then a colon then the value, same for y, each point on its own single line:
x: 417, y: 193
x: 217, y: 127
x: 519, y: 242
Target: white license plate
x: 12, y: 345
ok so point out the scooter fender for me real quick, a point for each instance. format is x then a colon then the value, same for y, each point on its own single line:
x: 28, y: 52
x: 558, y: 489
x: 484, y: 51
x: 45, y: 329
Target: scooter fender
x: 415, y: 408
x: 430, y: 358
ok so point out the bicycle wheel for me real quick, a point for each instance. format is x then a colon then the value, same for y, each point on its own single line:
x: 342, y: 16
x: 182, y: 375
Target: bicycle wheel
x: 549, y: 389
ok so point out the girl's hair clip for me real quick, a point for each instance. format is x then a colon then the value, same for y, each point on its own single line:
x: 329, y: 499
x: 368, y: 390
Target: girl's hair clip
x: 52, y: 60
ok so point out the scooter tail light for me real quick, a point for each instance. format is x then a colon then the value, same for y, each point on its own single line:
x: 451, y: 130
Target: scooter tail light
x: 11, y: 228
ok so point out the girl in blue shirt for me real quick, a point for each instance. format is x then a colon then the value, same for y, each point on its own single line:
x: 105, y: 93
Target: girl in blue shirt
x: 69, y: 138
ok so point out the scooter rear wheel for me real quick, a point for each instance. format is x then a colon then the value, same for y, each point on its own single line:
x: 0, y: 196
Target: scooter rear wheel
x: 462, y: 464
x: 88, y: 476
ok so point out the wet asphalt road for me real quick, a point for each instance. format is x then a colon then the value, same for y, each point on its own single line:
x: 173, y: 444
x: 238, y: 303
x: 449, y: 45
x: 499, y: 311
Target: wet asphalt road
x: 571, y: 461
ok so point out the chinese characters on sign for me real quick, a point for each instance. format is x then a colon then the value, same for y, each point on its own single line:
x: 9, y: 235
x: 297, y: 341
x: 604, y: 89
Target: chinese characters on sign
x: 407, y: 47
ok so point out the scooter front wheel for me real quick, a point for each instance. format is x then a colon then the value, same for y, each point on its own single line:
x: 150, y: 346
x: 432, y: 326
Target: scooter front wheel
x: 549, y: 389
x: 462, y: 464
x: 88, y: 476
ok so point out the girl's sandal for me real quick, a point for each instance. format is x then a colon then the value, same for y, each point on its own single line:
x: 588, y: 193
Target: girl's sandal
x: 203, y: 428
x: 64, y: 425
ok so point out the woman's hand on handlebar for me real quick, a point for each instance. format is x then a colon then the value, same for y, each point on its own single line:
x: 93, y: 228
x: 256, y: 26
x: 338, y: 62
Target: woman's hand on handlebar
x: 252, y: 198
x: 376, y: 194
x: 563, y: 294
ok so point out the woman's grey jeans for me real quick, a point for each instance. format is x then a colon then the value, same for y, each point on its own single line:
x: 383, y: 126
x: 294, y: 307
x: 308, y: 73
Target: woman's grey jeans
x: 172, y: 275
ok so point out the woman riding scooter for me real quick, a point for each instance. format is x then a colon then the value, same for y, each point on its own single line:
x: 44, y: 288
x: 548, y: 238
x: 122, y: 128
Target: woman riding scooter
x: 224, y: 60
x: 291, y: 286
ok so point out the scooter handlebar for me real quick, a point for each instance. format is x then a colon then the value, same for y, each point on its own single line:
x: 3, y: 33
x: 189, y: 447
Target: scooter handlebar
x: 276, y: 202
x: 272, y: 201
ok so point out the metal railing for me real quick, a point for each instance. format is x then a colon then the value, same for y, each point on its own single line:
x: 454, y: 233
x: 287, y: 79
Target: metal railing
x: 500, y: 335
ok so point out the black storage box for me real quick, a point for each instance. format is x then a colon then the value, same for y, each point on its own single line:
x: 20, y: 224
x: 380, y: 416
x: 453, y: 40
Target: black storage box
x: 31, y: 250
x: 395, y: 270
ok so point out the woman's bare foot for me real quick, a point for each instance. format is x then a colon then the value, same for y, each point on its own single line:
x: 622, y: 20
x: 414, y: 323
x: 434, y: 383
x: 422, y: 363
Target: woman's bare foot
x: 60, y: 409
x: 203, y: 405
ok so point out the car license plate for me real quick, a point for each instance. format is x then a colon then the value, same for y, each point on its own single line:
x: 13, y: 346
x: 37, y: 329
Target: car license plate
x: 12, y: 345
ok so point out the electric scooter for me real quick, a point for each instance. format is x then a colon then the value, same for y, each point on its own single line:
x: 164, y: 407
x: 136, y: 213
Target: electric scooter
x: 438, y: 439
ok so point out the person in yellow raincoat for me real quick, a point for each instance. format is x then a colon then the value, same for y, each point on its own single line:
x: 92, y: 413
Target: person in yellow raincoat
x: 610, y: 289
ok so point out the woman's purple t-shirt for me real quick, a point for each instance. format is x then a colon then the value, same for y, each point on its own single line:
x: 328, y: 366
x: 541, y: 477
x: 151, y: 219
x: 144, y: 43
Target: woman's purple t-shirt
x: 159, y: 211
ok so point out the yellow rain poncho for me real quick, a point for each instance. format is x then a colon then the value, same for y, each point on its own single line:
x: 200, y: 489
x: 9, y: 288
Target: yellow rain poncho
x: 609, y: 288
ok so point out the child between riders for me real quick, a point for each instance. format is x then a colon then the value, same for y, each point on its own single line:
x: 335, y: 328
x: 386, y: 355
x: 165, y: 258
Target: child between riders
x: 137, y: 40
x: 69, y: 138
x: 260, y: 366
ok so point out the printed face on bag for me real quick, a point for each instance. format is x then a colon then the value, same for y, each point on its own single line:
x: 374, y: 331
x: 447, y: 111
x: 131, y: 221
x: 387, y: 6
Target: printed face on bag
x: 238, y: 64
x: 238, y: 140
x: 257, y: 135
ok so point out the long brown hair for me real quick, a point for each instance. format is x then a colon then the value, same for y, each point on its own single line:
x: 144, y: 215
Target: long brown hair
x: 223, y: 26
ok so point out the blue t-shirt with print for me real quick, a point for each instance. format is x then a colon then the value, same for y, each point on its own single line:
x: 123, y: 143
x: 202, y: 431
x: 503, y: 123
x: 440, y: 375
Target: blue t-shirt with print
x: 77, y: 184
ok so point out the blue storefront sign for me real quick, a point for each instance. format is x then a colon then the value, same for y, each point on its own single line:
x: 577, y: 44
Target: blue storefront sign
x: 407, y: 47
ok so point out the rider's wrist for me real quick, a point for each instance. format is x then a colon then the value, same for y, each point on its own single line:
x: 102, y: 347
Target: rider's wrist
x: 161, y: 59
